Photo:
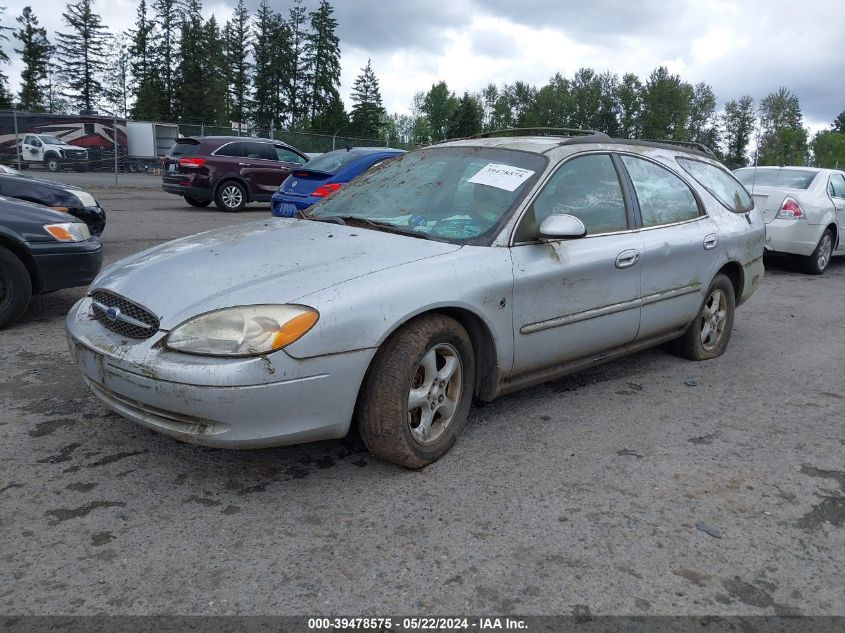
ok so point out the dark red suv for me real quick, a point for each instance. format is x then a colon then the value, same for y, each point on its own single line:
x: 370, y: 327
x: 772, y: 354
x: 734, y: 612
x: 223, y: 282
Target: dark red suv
x: 232, y: 171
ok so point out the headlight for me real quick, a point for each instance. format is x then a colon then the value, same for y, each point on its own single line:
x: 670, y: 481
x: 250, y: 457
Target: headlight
x: 243, y: 331
x: 69, y: 231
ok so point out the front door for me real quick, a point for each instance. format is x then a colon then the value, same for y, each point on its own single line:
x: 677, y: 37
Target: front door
x: 576, y: 298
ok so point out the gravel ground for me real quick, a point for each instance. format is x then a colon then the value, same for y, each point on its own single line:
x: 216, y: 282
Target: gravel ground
x: 650, y: 485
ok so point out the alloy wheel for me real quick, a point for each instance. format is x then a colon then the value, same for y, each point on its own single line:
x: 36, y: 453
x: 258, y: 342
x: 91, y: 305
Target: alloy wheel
x: 713, y: 318
x: 825, y: 249
x: 435, y: 393
x: 232, y: 196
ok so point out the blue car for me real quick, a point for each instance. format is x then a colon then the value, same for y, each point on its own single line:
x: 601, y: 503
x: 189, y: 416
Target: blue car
x: 324, y: 175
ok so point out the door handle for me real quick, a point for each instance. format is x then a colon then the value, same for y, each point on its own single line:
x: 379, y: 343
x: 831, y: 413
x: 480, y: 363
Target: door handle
x: 628, y: 258
x: 711, y: 241
x: 245, y: 164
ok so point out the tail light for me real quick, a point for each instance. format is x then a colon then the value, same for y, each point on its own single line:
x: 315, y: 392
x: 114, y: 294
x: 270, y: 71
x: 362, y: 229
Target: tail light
x: 191, y: 163
x: 326, y: 190
x: 791, y: 210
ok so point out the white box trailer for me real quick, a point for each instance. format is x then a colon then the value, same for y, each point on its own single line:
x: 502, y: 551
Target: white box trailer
x: 147, y: 143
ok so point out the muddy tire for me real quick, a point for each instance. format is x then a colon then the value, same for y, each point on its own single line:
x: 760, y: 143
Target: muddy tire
x: 709, y: 333
x: 230, y: 197
x: 417, y: 393
x: 15, y: 287
x: 196, y: 202
x: 817, y: 263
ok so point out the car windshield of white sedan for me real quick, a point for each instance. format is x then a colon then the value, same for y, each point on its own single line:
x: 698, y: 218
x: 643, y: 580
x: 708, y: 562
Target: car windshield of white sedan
x: 787, y: 178
x: 454, y: 194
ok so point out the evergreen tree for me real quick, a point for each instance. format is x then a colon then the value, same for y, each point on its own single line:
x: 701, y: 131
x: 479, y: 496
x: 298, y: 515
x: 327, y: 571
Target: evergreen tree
x: 215, y: 71
x: 737, y: 124
x: 332, y: 118
x: 298, y: 76
x: 368, y: 109
x: 190, y: 87
x: 81, y: 55
x: 438, y: 106
x: 146, y: 76
x: 35, y: 55
x: 271, y: 56
x: 702, y: 115
x: 783, y: 138
x: 323, y: 59
x: 166, y: 60
x: 5, y: 95
x: 238, y: 38
x: 629, y: 97
x: 839, y: 123
x: 117, y: 77
x: 466, y: 118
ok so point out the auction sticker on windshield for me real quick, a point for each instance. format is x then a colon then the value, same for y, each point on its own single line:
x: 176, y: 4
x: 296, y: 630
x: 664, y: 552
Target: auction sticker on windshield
x: 501, y: 176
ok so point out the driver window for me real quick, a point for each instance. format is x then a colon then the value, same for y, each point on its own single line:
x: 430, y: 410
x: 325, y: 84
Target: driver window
x: 586, y: 187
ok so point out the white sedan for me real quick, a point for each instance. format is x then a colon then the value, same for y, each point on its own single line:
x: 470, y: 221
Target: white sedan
x: 804, y: 210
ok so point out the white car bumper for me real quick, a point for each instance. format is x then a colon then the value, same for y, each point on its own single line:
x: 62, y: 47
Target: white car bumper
x: 797, y: 237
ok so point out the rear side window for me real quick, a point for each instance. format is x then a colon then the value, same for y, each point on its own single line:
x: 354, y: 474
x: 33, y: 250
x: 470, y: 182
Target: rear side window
x: 230, y: 149
x: 254, y: 150
x: 287, y: 155
x: 786, y: 178
x: 586, y: 187
x: 721, y: 185
x: 331, y: 162
x: 664, y: 198
x: 184, y: 148
x: 837, y: 186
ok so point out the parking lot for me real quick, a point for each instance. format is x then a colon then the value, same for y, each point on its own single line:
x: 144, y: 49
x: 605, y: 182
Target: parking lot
x: 650, y: 485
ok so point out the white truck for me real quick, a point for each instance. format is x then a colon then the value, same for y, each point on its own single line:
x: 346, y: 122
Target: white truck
x: 147, y: 143
x: 52, y: 152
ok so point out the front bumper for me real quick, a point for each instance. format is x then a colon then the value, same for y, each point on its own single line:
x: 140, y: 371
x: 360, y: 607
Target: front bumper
x: 797, y: 237
x: 253, y: 402
x: 94, y: 217
x: 67, y: 264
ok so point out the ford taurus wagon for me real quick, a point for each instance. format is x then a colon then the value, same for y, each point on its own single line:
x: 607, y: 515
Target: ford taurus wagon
x: 464, y: 270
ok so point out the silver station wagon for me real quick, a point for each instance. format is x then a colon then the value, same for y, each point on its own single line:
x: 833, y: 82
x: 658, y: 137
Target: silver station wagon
x: 464, y: 270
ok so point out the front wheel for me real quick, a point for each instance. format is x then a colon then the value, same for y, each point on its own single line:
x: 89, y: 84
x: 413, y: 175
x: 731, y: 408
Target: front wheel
x: 817, y: 263
x: 53, y: 164
x: 196, y: 202
x: 231, y: 197
x: 708, y: 334
x: 15, y: 287
x: 416, y: 396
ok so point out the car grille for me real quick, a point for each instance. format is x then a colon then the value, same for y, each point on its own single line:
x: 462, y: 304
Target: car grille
x: 122, y: 316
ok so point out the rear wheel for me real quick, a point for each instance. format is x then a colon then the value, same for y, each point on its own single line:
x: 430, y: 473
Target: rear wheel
x: 708, y: 334
x: 817, y: 263
x: 196, y: 202
x: 416, y: 396
x: 15, y: 287
x: 231, y: 197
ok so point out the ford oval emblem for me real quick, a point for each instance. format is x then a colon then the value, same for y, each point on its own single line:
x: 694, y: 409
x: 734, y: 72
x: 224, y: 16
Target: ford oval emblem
x: 112, y: 313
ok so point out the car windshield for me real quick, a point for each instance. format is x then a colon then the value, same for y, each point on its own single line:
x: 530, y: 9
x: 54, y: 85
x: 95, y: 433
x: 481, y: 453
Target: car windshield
x: 454, y: 194
x: 787, y: 178
x: 331, y: 162
x: 52, y: 140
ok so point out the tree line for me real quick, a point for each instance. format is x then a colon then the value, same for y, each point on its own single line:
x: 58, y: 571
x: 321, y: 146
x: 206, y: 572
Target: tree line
x: 275, y: 70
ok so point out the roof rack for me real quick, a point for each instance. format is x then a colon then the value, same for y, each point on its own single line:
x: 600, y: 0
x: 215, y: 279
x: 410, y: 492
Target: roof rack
x: 701, y: 147
x: 536, y: 131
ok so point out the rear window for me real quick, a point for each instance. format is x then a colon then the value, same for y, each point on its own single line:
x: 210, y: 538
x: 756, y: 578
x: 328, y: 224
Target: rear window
x: 184, y: 148
x: 721, y: 185
x: 787, y: 178
x: 331, y: 162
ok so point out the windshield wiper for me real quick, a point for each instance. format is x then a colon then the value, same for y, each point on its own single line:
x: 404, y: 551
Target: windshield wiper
x: 374, y: 224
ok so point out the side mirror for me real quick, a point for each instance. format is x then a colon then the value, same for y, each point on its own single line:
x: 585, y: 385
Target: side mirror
x: 562, y: 226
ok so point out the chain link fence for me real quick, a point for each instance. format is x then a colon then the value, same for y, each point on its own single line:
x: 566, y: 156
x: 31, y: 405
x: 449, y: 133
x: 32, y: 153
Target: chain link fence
x: 52, y: 142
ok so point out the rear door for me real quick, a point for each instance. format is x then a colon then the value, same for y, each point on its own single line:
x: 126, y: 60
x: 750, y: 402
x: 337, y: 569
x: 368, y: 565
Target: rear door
x: 679, y: 246
x: 836, y: 190
x: 266, y: 165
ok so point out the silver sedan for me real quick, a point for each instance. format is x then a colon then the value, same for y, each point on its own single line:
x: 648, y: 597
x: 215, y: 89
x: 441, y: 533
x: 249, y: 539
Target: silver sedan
x: 804, y: 211
x: 469, y: 269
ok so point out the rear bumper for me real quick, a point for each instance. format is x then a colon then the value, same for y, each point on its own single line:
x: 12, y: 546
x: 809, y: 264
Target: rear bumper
x: 67, y: 265
x: 300, y: 203
x: 797, y: 237
x: 200, y: 193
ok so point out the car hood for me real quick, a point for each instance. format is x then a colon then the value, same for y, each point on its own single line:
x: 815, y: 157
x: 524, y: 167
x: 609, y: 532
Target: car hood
x: 277, y: 260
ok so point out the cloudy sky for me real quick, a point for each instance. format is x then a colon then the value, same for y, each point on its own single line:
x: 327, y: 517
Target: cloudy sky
x: 738, y: 46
